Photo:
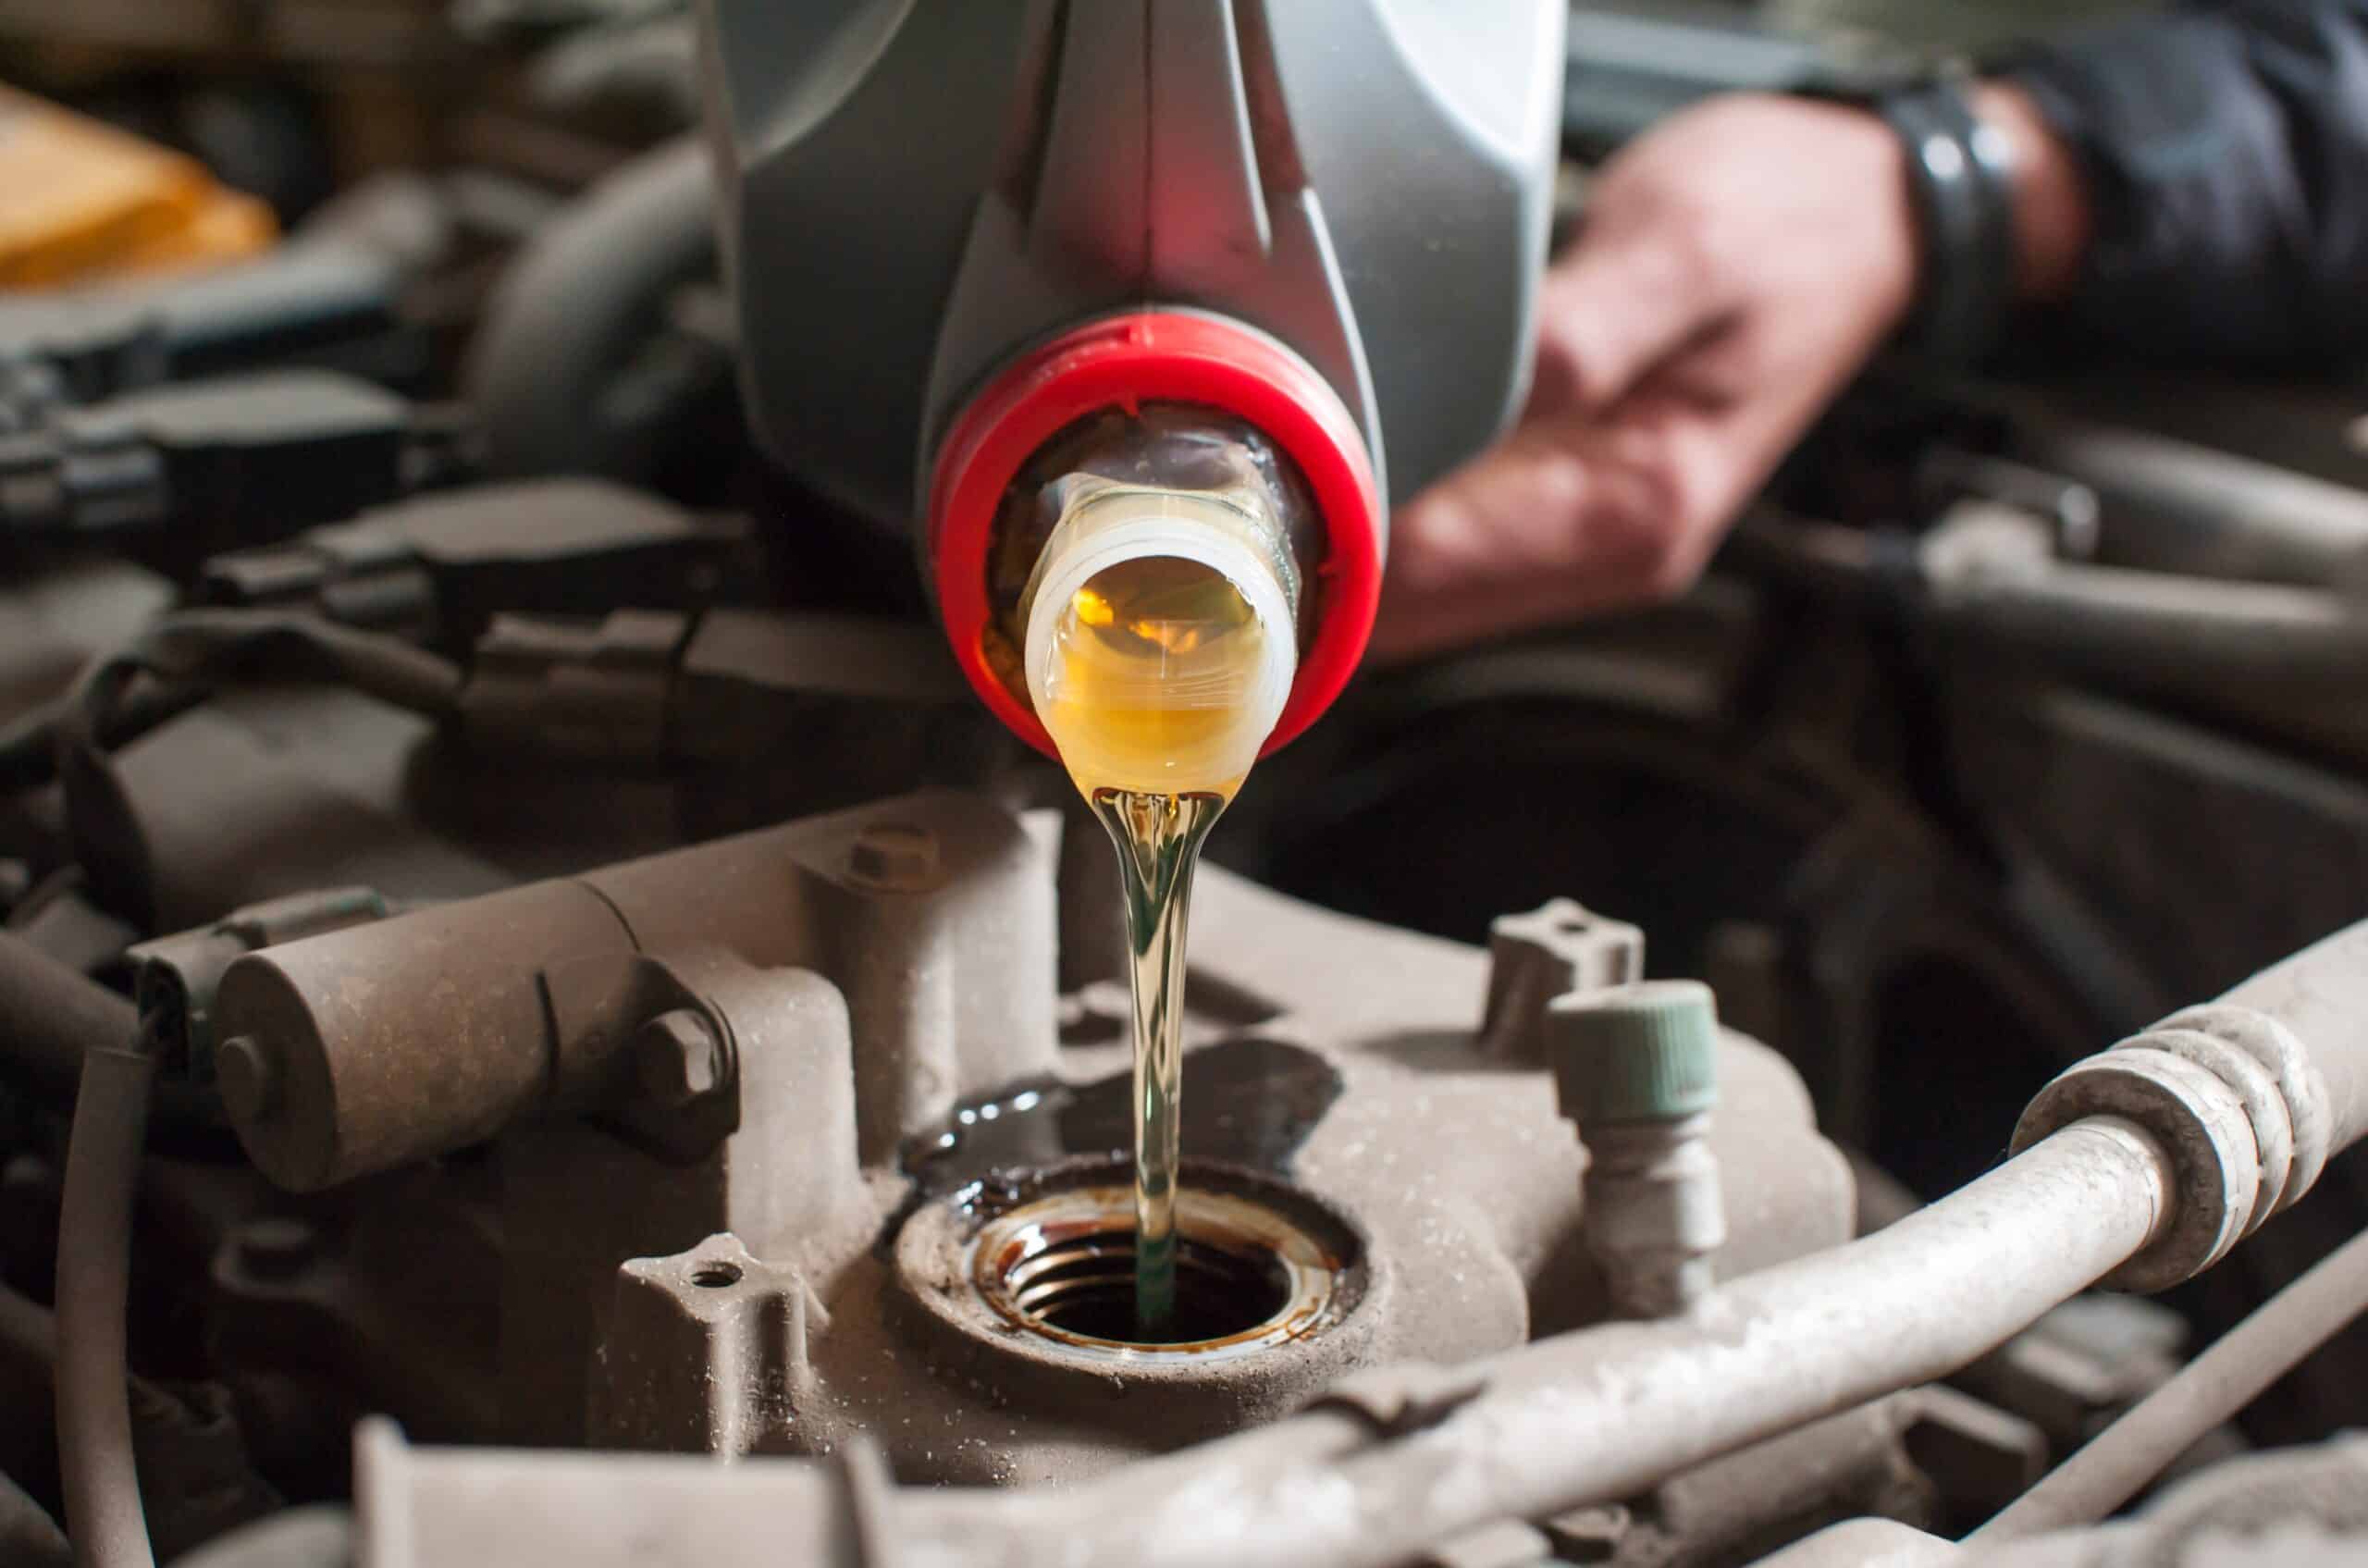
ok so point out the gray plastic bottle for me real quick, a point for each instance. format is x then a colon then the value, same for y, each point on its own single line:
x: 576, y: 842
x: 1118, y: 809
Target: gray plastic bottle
x: 920, y: 192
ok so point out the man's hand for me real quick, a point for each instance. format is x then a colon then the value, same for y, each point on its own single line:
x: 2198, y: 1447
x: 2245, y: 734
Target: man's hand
x: 1736, y: 268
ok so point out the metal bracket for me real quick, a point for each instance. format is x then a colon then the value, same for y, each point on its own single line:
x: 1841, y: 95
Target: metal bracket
x: 1547, y: 952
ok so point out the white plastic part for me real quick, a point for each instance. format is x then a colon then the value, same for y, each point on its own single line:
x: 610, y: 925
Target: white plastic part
x: 1127, y: 523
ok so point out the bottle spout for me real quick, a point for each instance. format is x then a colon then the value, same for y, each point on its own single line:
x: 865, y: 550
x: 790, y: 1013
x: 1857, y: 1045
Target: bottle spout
x: 1178, y: 455
x: 1162, y: 634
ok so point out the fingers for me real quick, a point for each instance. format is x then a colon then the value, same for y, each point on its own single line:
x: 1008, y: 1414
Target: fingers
x: 1589, y: 511
x: 1737, y: 267
x: 1636, y: 290
x: 1560, y: 519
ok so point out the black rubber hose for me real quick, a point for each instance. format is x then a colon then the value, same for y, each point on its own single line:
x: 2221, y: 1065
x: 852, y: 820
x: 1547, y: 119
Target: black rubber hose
x: 104, y: 1516
x: 181, y: 653
x: 578, y: 302
x: 52, y: 1017
x: 211, y: 645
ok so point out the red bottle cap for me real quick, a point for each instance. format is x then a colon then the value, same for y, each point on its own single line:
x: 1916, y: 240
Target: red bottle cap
x: 1123, y: 363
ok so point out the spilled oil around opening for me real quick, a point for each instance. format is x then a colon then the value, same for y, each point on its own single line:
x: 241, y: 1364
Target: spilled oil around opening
x: 1254, y: 1103
x: 1051, y: 1252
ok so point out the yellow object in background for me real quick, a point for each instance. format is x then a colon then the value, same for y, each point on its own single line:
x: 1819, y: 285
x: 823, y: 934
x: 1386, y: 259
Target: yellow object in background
x: 80, y: 200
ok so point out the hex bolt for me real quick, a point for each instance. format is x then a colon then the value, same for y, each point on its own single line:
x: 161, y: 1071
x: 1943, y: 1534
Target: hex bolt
x: 678, y: 1057
x: 897, y: 855
x: 1637, y: 1068
x: 275, y: 1248
x: 247, y: 1077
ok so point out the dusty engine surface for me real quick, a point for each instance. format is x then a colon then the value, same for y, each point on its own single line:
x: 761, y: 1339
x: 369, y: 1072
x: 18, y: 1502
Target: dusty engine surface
x: 844, y: 1156
x: 793, y: 1140
x: 541, y: 1022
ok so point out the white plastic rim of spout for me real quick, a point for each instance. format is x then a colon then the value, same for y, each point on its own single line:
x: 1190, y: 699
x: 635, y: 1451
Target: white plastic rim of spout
x: 1129, y: 522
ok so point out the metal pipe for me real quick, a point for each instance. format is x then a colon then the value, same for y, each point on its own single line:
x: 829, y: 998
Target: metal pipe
x: 2249, y: 1097
x: 2127, y: 622
x: 2208, y: 1390
x: 2205, y: 633
x: 1867, y: 1543
x: 2279, y: 656
x: 28, y: 1391
x: 103, y: 1515
x: 2173, y: 507
x: 2261, y: 1507
x: 2104, y: 1547
x: 2321, y: 997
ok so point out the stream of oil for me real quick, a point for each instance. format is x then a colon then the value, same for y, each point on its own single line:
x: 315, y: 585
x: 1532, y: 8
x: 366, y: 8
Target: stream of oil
x: 1153, y: 662
x: 1159, y: 842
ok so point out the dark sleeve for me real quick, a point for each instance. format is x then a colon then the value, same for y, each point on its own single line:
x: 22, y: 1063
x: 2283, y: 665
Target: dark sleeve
x: 2227, y: 155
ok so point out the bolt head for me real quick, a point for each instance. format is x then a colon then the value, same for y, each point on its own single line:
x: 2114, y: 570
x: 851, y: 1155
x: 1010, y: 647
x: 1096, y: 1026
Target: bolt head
x: 678, y: 1057
x: 894, y: 855
x: 247, y: 1077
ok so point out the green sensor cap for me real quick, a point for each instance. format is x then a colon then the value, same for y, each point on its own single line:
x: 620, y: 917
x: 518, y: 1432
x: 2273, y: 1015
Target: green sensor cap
x: 1648, y: 1052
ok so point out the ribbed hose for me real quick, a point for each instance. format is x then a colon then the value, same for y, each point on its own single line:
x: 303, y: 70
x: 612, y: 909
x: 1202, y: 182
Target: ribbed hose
x: 2208, y: 1390
x: 104, y: 1517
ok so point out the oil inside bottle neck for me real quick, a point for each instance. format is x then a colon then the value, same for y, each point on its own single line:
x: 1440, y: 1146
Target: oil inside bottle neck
x: 1161, y: 641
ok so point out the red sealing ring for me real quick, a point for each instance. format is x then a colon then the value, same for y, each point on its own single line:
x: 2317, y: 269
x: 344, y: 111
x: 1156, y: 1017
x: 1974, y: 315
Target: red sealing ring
x: 1125, y: 361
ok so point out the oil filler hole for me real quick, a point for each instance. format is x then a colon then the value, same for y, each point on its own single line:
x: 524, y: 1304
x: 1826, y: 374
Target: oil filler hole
x: 1254, y: 1271
x: 1085, y: 1285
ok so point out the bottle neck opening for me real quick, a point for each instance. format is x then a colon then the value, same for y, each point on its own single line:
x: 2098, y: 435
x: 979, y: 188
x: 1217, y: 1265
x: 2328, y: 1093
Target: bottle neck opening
x: 1161, y: 638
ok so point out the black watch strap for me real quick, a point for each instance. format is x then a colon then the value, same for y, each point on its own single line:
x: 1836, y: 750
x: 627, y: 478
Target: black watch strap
x: 1960, y: 178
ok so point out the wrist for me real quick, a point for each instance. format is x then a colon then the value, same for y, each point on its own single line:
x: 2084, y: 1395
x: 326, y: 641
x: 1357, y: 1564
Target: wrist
x: 2053, y: 220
